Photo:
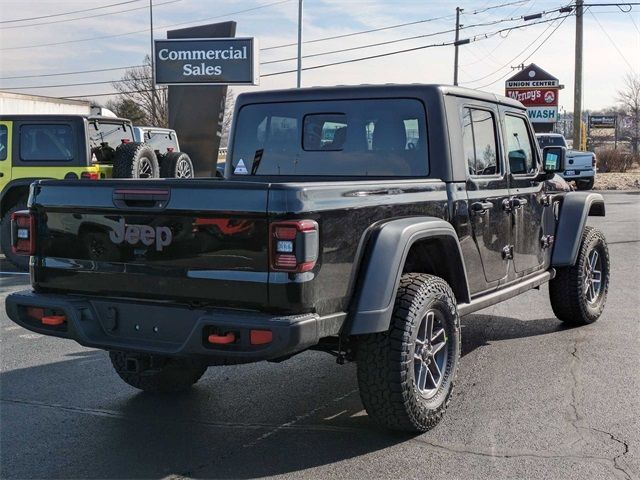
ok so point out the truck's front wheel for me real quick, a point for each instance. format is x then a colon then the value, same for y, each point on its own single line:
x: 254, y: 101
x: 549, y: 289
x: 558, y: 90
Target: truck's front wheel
x: 156, y: 374
x: 578, y: 293
x: 406, y: 374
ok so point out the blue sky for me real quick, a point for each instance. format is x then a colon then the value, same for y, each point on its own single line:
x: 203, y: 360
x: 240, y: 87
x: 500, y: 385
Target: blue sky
x: 612, y: 42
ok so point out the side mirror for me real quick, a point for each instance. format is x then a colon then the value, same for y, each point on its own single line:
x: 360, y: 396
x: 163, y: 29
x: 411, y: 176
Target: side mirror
x: 553, y: 159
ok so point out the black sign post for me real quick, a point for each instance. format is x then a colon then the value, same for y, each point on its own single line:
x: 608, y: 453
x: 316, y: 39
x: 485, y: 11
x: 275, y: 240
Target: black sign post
x: 196, y: 111
x: 206, y: 61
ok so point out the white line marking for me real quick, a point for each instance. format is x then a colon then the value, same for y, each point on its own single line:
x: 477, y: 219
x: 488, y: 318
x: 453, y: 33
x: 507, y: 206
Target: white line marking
x: 30, y: 336
x: 12, y: 328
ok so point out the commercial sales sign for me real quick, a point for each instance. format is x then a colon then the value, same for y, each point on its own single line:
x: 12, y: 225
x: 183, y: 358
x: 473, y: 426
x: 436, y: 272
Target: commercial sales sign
x: 206, y: 61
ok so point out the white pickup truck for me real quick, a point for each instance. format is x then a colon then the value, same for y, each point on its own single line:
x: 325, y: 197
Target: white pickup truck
x: 580, y: 166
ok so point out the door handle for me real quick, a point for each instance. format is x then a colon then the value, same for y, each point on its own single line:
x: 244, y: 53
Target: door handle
x: 481, y: 207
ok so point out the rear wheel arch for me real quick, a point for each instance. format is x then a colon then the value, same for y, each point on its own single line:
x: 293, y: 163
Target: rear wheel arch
x: 408, y: 245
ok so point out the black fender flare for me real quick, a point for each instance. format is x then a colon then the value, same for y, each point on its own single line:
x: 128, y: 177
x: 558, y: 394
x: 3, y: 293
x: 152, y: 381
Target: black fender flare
x: 572, y: 218
x: 384, y: 260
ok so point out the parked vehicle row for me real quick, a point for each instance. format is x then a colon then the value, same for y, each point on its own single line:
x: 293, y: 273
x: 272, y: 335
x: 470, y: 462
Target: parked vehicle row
x: 359, y: 221
x: 36, y: 147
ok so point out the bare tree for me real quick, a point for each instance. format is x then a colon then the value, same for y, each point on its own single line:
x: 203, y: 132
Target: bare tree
x: 629, y: 98
x: 137, y: 85
x: 229, y: 103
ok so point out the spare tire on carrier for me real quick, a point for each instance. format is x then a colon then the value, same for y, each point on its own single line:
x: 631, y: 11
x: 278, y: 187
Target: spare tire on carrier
x: 176, y: 165
x: 135, y: 160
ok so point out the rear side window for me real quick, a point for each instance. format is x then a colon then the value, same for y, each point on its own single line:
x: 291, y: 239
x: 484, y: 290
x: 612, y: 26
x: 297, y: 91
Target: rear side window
x: 47, y: 143
x: 3, y: 142
x: 383, y: 137
x: 520, y: 146
x: 479, y: 139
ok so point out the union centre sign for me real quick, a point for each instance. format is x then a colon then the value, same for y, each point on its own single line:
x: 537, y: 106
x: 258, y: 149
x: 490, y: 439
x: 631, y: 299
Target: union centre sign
x: 206, y: 61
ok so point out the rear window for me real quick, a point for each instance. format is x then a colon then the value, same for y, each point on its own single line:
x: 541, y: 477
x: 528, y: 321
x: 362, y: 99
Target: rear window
x: 47, y: 143
x: 109, y: 134
x: 161, y: 141
x: 550, y: 141
x: 332, y: 138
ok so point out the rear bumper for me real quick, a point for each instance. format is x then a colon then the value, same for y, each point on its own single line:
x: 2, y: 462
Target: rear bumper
x: 578, y: 174
x: 170, y: 329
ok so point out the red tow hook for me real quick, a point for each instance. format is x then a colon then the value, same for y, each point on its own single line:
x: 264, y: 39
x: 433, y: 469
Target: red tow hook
x: 53, y: 320
x: 222, y: 339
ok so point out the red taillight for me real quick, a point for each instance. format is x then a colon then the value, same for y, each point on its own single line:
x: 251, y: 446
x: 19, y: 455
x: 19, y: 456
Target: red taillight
x: 23, y: 233
x: 170, y: 149
x: 294, y: 245
x: 593, y: 161
x: 125, y: 140
x: 90, y: 175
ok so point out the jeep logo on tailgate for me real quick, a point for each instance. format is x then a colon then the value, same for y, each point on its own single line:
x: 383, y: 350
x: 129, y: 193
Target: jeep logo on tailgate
x: 145, y: 234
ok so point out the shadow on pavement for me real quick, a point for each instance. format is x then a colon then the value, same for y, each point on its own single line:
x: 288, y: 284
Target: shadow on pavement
x: 480, y: 330
x: 75, y: 419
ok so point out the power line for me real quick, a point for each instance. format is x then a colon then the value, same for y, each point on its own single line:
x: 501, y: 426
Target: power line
x: 611, y: 39
x: 531, y: 54
x: 475, y: 38
x: 68, y: 13
x: 71, y: 84
x: 71, y: 73
x: 89, y: 16
x: 389, y: 27
x: 51, y: 44
x: 513, y: 59
x: 389, y: 42
x: 489, y: 54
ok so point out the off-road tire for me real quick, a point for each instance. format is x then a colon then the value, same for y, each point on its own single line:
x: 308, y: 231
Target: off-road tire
x: 173, y: 165
x: 585, y: 184
x: 386, y: 375
x: 21, y: 262
x: 132, y: 159
x: 162, y: 375
x: 567, y: 289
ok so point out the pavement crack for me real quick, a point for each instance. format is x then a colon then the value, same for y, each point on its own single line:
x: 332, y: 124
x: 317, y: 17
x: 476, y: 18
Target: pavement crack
x: 577, y: 419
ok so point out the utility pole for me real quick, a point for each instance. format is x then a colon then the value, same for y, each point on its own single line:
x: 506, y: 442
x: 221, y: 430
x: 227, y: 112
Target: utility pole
x: 455, y: 57
x: 577, y: 89
x: 299, y: 43
x: 153, y: 78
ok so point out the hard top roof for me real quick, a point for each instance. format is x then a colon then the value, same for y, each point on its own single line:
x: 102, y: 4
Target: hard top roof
x: 362, y: 91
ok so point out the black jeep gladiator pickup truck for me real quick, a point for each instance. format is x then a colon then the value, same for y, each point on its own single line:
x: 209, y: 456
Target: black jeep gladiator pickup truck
x: 361, y: 221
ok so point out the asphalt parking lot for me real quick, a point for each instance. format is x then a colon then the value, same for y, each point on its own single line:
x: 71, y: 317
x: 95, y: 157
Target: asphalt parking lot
x: 533, y: 399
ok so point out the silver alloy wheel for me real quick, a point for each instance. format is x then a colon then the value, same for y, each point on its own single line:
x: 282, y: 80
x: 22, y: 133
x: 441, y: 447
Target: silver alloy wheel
x: 593, y: 277
x: 183, y: 169
x: 430, y: 355
x: 145, y: 169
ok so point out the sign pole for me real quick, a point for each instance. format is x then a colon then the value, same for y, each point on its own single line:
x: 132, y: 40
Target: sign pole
x: 577, y: 88
x: 455, y: 54
x: 299, y: 82
x: 153, y: 82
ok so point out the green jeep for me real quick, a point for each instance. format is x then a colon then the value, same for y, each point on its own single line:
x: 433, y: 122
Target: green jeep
x: 34, y: 147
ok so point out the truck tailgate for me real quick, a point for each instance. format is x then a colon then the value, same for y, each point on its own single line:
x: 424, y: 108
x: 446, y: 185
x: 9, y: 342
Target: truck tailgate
x: 201, y: 240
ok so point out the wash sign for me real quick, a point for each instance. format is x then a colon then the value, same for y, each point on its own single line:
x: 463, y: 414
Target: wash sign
x: 206, y: 61
x: 537, y: 90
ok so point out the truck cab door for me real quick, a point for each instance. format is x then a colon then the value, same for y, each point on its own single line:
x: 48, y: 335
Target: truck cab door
x: 5, y: 153
x: 487, y: 194
x: 527, y: 196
